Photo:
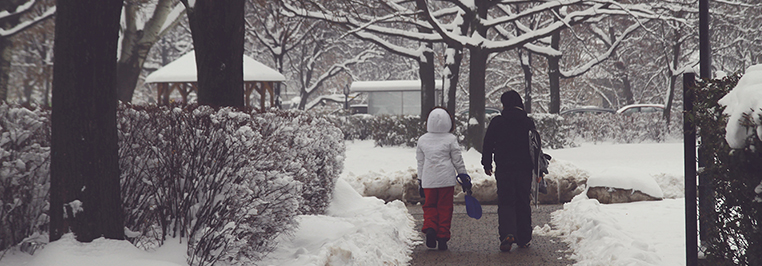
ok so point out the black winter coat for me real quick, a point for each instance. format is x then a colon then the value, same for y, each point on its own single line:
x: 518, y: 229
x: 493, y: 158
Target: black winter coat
x: 507, y: 138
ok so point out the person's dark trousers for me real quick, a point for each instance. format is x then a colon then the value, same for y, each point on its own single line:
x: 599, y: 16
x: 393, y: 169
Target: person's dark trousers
x: 514, y: 210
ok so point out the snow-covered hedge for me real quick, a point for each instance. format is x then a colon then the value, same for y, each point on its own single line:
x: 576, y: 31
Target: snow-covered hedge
x: 24, y: 175
x: 557, y: 132
x: 617, y: 128
x: 227, y: 181
x: 390, y: 130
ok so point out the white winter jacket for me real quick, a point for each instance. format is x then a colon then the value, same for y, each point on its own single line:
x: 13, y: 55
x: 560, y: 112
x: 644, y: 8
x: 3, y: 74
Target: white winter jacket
x: 438, y: 153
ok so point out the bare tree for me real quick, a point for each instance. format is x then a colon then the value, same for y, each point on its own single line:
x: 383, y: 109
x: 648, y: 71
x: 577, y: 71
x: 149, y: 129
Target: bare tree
x: 481, y: 41
x: 138, y: 36
x: 14, y: 18
x: 278, y: 33
x: 322, y: 57
x: 84, y: 166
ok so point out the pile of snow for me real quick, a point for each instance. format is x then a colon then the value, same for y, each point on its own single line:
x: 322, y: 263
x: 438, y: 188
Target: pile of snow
x: 383, y: 171
x: 356, y: 231
x: 69, y: 252
x: 745, y: 98
x: 638, y: 233
x: 626, y: 178
x: 653, y: 168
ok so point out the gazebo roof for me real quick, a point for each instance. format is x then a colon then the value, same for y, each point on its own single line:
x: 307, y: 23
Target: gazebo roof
x: 184, y: 70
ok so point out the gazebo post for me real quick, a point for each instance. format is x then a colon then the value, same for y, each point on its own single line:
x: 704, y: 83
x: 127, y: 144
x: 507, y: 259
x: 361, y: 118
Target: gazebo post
x: 160, y: 87
x: 262, y: 96
x: 248, y: 87
x: 269, y: 86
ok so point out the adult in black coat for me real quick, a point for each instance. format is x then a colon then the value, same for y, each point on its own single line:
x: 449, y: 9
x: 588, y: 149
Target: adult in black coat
x: 507, y: 137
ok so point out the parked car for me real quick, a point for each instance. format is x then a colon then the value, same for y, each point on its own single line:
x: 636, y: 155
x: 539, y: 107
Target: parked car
x: 487, y: 111
x: 641, y: 108
x: 588, y: 110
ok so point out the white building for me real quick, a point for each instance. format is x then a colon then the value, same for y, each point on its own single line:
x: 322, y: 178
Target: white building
x: 394, y: 97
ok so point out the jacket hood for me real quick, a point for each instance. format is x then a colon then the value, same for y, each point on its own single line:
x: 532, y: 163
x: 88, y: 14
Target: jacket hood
x: 511, y: 99
x: 439, y: 121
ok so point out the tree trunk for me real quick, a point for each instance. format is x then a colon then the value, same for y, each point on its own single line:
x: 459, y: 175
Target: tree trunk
x: 84, y: 166
x: 453, y: 76
x: 554, y: 74
x: 525, y: 58
x: 426, y: 72
x: 476, y: 99
x: 672, y: 81
x: 5, y: 66
x: 136, y: 44
x: 627, y: 88
x: 218, y: 31
x: 277, y: 85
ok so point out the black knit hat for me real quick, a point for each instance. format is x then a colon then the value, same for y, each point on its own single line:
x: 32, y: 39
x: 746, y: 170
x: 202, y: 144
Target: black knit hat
x: 510, y: 99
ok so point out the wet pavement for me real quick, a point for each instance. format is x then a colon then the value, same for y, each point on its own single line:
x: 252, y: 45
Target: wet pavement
x: 475, y: 242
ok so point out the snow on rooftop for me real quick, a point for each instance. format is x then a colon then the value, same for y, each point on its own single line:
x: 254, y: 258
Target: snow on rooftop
x: 391, y: 85
x: 184, y: 70
x: 746, y: 97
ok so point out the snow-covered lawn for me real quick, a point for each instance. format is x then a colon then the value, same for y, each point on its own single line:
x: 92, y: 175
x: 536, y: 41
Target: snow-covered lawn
x: 364, y: 231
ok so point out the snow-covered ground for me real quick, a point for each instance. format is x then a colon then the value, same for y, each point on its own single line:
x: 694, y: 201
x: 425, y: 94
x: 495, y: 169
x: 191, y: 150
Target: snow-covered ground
x: 643, y: 233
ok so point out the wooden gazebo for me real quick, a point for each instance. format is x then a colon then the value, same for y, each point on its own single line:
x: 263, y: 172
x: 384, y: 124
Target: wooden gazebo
x: 180, y: 75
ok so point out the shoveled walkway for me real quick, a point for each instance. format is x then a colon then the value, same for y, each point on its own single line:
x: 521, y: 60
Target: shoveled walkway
x: 475, y: 242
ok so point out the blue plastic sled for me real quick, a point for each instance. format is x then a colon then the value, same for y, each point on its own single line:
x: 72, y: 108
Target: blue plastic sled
x: 473, y: 208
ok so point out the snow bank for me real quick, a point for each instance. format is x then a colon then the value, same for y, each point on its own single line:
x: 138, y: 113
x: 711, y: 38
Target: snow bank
x: 68, y: 252
x: 640, y: 233
x: 745, y: 98
x: 383, y: 171
x: 356, y: 231
x: 626, y: 178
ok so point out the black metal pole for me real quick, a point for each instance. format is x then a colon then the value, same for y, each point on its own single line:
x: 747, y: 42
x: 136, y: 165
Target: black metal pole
x: 705, y: 49
x: 689, y: 151
x: 705, y: 195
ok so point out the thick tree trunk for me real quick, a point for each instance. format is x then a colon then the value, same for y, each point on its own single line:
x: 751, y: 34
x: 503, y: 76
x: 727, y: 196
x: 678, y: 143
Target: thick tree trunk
x: 426, y: 72
x: 84, y: 167
x: 554, y: 74
x: 453, y: 76
x: 525, y: 58
x: 673, y: 78
x: 218, y: 31
x: 476, y: 99
x: 5, y: 66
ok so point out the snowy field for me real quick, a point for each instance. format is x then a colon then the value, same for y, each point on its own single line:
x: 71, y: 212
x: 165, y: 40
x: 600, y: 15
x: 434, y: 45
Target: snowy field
x: 364, y: 231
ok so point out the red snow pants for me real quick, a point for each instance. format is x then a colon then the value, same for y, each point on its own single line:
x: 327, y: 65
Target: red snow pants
x: 437, y: 210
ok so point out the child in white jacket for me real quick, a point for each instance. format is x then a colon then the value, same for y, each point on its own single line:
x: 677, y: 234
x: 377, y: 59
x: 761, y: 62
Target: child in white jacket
x: 439, y: 164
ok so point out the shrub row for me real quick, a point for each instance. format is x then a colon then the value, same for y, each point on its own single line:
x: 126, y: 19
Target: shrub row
x: 24, y: 175
x: 556, y: 131
x: 228, y: 181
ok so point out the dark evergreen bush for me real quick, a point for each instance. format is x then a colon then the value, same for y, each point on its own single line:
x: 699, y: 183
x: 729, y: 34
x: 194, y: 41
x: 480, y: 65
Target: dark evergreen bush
x: 733, y: 236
